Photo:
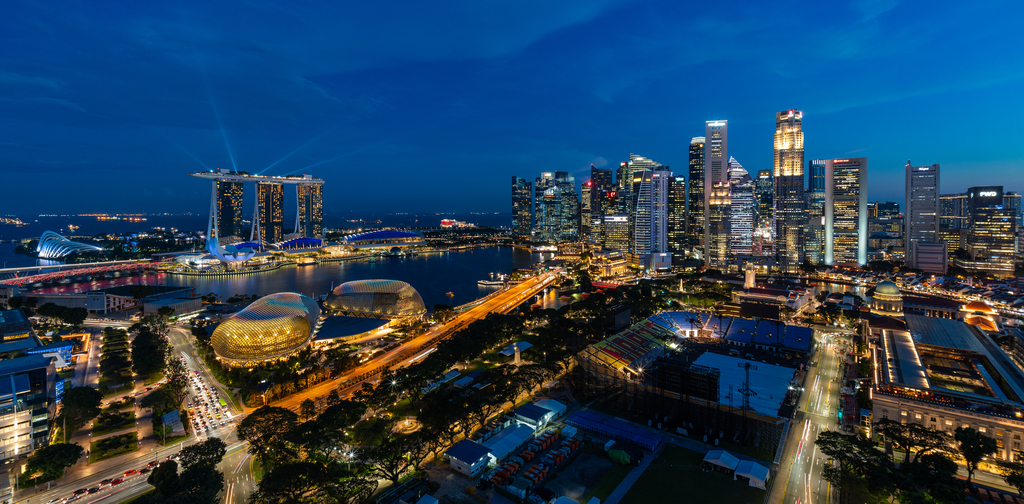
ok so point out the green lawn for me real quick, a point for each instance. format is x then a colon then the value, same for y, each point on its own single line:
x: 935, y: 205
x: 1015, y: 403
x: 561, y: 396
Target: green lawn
x: 750, y: 451
x: 611, y: 479
x: 112, y: 421
x: 113, y: 446
x: 677, y: 473
x: 153, y: 378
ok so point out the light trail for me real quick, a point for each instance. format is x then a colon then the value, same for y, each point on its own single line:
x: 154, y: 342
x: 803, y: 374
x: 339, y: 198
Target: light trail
x: 182, y: 149
x: 303, y: 146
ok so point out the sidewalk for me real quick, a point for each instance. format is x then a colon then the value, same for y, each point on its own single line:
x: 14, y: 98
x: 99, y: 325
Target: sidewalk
x: 627, y: 483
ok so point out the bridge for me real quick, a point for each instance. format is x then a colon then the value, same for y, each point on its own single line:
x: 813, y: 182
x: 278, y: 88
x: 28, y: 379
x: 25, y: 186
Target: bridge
x: 32, y: 274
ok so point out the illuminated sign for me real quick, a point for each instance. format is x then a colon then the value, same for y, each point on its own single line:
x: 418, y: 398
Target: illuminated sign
x: 840, y: 160
x: 987, y: 193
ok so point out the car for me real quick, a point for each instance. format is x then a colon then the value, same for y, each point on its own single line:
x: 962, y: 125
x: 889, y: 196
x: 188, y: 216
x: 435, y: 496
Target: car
x: 153, y: 464
x: 80, y: 491
x: 94, y: 490
x: 106, y: 482
x: 131, y: 472
x: 148, y: 389
x: 54, y: 501
x: 144, y: 470
x: 72, y: 498
x: 116, y: 482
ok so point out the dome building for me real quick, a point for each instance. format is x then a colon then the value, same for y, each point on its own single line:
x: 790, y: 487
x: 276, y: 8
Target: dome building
x: 887, y: 300
x: 392, y: 299
x: 272, y: 327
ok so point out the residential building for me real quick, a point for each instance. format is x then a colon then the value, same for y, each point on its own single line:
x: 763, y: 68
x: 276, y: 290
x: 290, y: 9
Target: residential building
x: 229, y: 208
x: 695, y: 205
x: 522, y: 207
x: 846, y: 218
x: 268, y: 227
x: 923, y: 211
x: 788, y: 168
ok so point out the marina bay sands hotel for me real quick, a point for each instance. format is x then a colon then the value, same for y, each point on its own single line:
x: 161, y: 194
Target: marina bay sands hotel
x: 268, y: 216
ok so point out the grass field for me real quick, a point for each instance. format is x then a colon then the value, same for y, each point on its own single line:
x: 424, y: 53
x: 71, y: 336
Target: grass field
x: 113, y: 446
x: 675, y: 476
x: 590, y: 474
x: 113, y: 421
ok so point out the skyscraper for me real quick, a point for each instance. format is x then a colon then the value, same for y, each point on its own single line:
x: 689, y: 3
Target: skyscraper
x: 522, y: 207
x: 886, y: 210
x: 716, y: 156
x: 310, y: 199
x: 788, y: 168
x: 741, y: 216
x: 1012, y: 202
x: 609, y: 207
x: 269, y: 212
x: 229, y: 208
x: 616, y: 232
x: 695, y: 205
x: 764, y: 195
x: 923, y: 211
x: 677, y: 216
x: 846, y: 205
x: 602, y: 181
x: 954, y: 211
x: 814, y: 237
x: 586, y: 213
x: 569, y: 207
x: 545, y: 207
x: 990, y: 239
x: 719, y: 232
x: 556, y: 207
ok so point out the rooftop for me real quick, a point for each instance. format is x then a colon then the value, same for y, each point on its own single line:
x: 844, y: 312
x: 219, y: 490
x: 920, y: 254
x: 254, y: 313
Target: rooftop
x: 467, y: 451
x: 13, y: 322
x: 767, y: 380
x: 338, y: 326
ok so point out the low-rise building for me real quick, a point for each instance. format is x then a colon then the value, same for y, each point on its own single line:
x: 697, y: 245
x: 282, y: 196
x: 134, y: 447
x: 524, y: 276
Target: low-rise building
x: 28, y: 398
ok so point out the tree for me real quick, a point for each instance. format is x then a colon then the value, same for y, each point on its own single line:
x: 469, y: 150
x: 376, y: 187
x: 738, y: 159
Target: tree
x: 177, y: 375
x: 974, y: 446
x: 206, y: 454
x: 53, y: 459
x: 1014, y: 475
x: 859, y: 467
x: 265, y: 430
x: 165, y: 478
x: 80, y: 405
x: 165, y: 312
x: 140, y: 291
x: 199, y: 482
x: 308, y: 482
x: 15, y: 302
x: 149, y: 352
x: 909, y: 436
x: 389, y: 459
x: 307, y: 408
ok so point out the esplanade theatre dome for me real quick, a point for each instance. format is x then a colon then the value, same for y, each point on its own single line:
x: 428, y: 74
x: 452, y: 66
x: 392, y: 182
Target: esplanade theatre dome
x: 376, y: 298
x: 272, y: 327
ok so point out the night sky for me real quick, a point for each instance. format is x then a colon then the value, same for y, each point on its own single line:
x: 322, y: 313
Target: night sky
x: 433, y: 106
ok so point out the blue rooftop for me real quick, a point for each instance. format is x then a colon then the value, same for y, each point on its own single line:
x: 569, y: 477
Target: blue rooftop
x: 302, y: 243
x: 532, y: 412
x: 467, y: 451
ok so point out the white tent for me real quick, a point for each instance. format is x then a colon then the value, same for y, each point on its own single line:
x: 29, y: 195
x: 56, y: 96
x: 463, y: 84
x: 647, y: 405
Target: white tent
x: 722, y: 458
x: 552, y: 405
x: 755, y: 473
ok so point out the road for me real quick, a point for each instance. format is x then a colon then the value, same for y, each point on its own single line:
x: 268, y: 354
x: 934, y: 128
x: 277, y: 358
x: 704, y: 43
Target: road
x: 802, y: 462
x: 401, y: 355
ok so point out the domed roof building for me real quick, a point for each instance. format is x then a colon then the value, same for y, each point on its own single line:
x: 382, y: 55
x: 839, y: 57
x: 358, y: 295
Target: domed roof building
x: 376, y: 299
x: 272, y: 327
x: 887, y: 300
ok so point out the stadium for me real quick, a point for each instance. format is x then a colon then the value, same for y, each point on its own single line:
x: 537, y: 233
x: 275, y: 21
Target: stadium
x: 271, y: 328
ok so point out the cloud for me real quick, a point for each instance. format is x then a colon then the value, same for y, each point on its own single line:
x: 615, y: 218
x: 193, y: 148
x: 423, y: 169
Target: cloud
x: 13, y: 79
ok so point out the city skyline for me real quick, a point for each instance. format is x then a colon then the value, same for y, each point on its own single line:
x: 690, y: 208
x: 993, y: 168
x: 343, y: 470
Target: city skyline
x: 98, y: 126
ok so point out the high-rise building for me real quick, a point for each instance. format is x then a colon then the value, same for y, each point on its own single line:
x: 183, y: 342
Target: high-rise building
x: 556, y: 207
x: 814, y: 237
x: 923, y: 210
x: 624, y: 178
x: 522, y: 207
x: 1012, y: 202
x: 268, y: 227
x: 885, y: 210
x: 846, y: 217
x: 717, y: 244
x: 716, y: 158
x: 609, y: 206
x: 586, y: 213
x: 990, y: 239
x: 695, y: 205
x: 311, y: 210
x: 677, y: 198
x: 29, y: 396
x: 741, y: 216
x: 229, y: 208
x: 954, y: 211
x: 790, y: 213
x: 650, y: 218
x: 764, y: 195
x: 616, y: 232
x: 601, y: 181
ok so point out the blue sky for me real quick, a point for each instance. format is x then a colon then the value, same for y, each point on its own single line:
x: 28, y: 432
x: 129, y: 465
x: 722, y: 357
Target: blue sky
x: 433, y: 106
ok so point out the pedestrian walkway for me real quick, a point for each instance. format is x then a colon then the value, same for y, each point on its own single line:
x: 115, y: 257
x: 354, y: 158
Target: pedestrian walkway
x: 630, y: 479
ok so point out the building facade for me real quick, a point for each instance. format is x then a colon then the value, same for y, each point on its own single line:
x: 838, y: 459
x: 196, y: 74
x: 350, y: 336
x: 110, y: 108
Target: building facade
x: 229, y: 207
x: 814, y: 238
x: 846, y: 216
x: 764, y: 198
x: 28, y: 397
x: 923, y: 210
x: 742, y: 212
x: 522, y: 207
x: 269, y: 227
x: 695, y: 204
x: 556, y: 207
x: 616, y: 232
x: 677, y: 198
x: 990, y: 238
x: 716, y: 157
x: 790, y: 213
x: 954, y: 211
x: 310, y: 199
x: 717, y: 244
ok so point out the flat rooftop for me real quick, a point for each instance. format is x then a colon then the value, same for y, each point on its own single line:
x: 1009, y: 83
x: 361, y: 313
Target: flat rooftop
x: 768, y: 381
x: 337, y: 327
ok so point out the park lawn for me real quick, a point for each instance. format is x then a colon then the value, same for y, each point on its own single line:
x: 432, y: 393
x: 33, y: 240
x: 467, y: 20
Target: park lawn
x: 750, y: 451
x: 675, y: 476
x: 122, y: 420
x: 607, y: 484
x: 66, y: 374
x: 140, y: 496
x: 172, y: 440
x: 98, y: 450
x: 153, y: 378
x: 256, y: 468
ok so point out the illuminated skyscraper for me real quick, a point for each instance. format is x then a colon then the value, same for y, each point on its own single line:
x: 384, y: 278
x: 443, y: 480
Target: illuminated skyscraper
x: 616, y: 232
x: 556, y: 207
x: 609, y: 207
x: 923, y: 210
x: 677, y: 216
x: 269, y: 213
x: 790, y: 212
x: 229, y: 208
x: 586, y: 212
x: 717, y: 244
x: 602, y: 182
x: 695, y: 206
x: 990, y: 239
x: 814, y: 237
x: 741, y: 216
x: 764, y: 195
x: 522, y: 207
x: 846, y: 217
x: 954, y: 211
x: 311, y: 210
x: 716, y: 155
x: 1012, y: 202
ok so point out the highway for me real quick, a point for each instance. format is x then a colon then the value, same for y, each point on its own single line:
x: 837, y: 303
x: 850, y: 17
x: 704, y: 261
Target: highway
x: 802, y: 463
x: 403, y: 354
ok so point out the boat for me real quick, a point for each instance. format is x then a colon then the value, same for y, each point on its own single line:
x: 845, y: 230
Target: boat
x: 490, y: 282
x: 565, y: 298
x: 536, y: 305
x: 449, y: 294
